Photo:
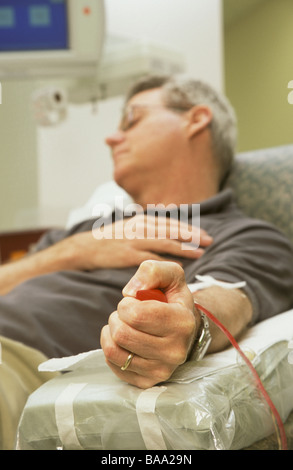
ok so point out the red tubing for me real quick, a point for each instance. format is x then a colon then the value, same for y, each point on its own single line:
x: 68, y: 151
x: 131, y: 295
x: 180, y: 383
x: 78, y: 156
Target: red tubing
x: 156, y: 294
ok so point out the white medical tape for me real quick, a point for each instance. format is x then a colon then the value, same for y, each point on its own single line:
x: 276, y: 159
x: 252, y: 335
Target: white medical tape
x: 208, y: 281
x: 148, y: 421
x: 65, y: 417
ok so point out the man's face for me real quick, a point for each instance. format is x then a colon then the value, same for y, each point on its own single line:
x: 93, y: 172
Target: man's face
x: 147, y: 146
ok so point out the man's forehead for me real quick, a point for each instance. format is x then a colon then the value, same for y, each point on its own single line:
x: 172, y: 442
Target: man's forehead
x: 153, y: 96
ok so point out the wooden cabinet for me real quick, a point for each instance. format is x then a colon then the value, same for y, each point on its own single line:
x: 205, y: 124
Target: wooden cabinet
x: 14, y: 245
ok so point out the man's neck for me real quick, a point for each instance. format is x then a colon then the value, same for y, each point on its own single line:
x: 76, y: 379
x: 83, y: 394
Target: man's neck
x: 176, y: 196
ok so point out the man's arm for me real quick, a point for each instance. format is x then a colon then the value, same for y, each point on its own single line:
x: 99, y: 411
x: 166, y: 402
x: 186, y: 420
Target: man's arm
x: 84, y: 251
x: 44, y: 262
x: 162, y: 336
x: 231, y: 307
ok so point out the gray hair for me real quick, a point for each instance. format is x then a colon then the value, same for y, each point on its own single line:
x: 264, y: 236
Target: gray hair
x: 184, y: 92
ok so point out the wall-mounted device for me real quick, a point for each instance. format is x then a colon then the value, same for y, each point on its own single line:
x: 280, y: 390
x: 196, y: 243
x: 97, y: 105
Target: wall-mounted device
x: 50, y: 38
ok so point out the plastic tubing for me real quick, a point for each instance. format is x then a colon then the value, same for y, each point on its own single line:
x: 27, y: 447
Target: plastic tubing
x: 259, y: 384
x: 157, y: 294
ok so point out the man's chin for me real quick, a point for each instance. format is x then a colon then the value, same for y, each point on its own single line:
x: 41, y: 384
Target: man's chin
x: 125, y: 181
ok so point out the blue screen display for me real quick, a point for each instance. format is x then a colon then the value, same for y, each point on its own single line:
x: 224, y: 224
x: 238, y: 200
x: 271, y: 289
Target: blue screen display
x: 33, y: 25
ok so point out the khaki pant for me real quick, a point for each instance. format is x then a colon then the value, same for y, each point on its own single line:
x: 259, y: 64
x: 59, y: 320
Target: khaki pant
x: 19, y: 377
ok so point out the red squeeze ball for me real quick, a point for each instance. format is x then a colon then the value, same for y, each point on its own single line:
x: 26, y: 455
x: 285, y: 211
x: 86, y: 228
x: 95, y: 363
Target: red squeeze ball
x: 151, y: 294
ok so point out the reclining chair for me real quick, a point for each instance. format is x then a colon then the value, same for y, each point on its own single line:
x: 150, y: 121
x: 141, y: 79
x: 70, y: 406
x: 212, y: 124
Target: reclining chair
x: 215, y: 404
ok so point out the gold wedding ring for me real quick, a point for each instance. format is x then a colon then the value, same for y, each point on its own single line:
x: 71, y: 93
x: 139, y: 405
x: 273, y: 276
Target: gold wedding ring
x: 127, y: 362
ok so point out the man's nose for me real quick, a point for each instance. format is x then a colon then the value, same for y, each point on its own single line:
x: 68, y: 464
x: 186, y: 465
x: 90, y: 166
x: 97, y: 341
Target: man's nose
x: 116, y: 138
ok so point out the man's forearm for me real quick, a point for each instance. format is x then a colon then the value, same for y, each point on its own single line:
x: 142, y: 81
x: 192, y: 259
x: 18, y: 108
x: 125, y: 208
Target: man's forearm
x: 44, y: 262
x: 231, y: 307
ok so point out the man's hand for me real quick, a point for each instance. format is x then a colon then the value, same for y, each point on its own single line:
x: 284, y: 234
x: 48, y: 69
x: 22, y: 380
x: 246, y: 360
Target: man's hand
x: 123, y: 244
x: 160, y: 335
x: 130, y: 242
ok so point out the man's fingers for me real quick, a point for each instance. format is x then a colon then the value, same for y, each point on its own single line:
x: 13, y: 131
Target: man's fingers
x: 145, y: 226
x: 151, y: 227
x: 140, y: 371
x: 167, y: 246
x: 134, y: 340
x: 154, y: 318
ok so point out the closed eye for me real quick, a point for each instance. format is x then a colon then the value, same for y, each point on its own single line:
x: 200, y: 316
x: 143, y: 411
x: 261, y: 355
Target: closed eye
x: 132, y: 123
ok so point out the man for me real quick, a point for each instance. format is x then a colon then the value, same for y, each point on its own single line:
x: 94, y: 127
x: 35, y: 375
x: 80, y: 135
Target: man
x: 174, y: 145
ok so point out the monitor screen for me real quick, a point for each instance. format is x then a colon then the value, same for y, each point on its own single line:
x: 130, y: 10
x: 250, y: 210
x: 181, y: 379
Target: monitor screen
x: 33, y: 25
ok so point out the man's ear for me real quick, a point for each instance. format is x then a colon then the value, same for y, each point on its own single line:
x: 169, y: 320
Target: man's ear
x: 199, y: 117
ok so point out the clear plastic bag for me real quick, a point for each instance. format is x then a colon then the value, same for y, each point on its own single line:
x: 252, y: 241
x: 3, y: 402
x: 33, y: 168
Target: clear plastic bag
x: 221, y: 408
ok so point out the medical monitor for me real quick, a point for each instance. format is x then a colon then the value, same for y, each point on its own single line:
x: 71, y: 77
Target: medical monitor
x: 45, y: 38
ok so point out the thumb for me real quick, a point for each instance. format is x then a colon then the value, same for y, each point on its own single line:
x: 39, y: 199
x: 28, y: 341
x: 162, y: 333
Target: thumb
x: 165, y: 275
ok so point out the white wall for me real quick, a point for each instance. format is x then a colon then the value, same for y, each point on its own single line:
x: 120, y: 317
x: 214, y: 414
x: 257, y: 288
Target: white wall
x: 72, y: 158
x: 18, y: 157
x: 192, y: 26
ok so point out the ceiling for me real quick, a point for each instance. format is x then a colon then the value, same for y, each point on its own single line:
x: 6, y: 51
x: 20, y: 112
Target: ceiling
x: 236, y: 9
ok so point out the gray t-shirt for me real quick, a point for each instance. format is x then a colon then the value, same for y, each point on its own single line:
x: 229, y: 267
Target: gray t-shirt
x: 62, y: 313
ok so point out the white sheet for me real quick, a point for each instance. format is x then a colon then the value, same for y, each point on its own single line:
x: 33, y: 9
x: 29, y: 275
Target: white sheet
x: 255, y: 340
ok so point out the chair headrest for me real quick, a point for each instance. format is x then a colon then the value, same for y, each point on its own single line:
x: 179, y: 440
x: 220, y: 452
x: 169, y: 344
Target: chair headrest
x: 262, y: 181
